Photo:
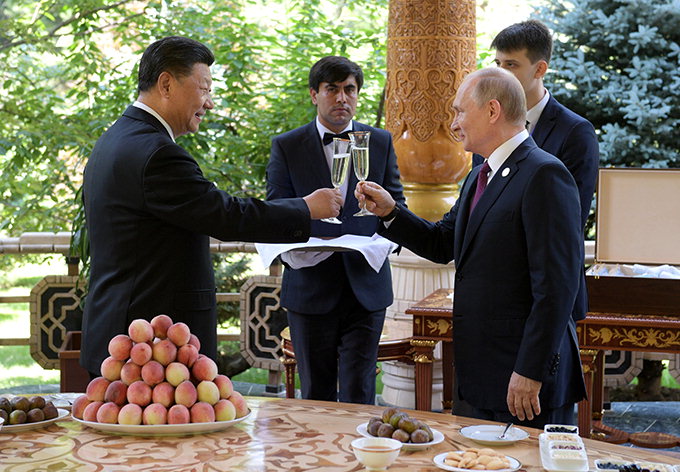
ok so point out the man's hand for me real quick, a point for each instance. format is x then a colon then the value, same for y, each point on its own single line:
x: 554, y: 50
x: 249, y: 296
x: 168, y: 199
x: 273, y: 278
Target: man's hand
x: 324, y: 203
x: 377, y: 200
x: 523, y: 397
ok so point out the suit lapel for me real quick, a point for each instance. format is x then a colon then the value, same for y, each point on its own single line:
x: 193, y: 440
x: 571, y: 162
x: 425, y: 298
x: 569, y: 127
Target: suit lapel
x: 546, y: 122
x: 313, y: 155
x: 491, y: 194
x: 466, y: 194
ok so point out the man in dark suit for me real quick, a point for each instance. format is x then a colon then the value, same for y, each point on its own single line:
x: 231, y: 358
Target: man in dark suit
x: 336, y: 302
x: 518, y: 255
x: 150, y: 211
x: 525, y: 49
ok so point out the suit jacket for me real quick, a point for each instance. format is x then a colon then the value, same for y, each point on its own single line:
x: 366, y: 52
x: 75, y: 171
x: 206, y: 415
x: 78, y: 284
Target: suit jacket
x: 518, y: 262
x: 149, y: 213
x: 298, y: 166
x: 572, y: 139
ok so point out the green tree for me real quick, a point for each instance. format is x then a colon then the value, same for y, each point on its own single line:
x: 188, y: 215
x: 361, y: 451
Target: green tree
x: 616, y: 63
x: 69, y: 70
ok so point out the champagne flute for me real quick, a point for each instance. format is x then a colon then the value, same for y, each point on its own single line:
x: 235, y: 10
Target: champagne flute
x: 360, y: 160
x: 341, y: 152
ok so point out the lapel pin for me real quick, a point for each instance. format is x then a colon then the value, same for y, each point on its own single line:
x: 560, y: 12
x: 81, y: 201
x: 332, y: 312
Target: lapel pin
x: 505, y: 172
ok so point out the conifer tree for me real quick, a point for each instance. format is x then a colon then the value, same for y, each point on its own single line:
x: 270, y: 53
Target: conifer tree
x: 616, y: 62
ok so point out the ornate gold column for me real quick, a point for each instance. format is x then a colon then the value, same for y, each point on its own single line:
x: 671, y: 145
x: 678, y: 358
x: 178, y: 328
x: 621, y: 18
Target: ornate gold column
x: 430, y: 49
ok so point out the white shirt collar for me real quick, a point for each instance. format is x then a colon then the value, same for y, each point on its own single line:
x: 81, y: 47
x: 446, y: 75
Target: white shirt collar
x: 534, y: 114
x: 150, y: 110
x: 502, y: 152
x: 322, y: 129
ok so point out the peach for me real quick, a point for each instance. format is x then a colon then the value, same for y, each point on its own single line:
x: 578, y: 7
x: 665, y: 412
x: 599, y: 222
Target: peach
x: 130, y: 414
x: 179, y: 334
x: 176, y: 373
x: 164, y: 351
x: 111, y: 368
x: 139, y: 393
x: 153, y: 373
x: 208, y: 392
x: 96, y: 389
x: 160, y: 324
x: 116, y: 393
x: 178, y: 414
x: 108, y: 413
x: 202, y: 412
x: 141, y: 353
x: 140, y: 331
x: 155, y: 414
x: 240, y: 404
x: 163, y: 393
x: 130, y: 372
x: 79, y: 406
x: 204, y: 369
x: 187, y: 354
x: 224, y: 385
x: 224, y: 410
x: 119, y: 347
x: 186, y: 394
x: 194, y: 341
x: 90, y: 412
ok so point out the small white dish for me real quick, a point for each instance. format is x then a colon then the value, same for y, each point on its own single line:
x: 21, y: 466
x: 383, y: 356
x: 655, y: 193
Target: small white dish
x: 439, y: 462
x: 18, y: 428
x: 560, y: 428
x: 487, y: 434
x: 437, y: 437
x: 561, y: 464
x: 376, y: 453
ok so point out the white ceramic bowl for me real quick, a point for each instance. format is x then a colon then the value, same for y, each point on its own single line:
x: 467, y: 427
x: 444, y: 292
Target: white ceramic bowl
x: 376, y: 453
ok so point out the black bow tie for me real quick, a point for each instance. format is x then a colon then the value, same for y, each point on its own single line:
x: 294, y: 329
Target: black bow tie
x: 328, y: 137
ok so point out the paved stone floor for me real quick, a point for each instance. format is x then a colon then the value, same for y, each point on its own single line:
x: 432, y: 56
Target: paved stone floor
x: 631, y: 417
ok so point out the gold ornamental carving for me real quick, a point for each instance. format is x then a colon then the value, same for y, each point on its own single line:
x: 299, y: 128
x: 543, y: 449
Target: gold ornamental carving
x: 430, y: 49
x: 423, y: 343
x: 636, y: 337
x: 422, y: 359
x: 439, y: 327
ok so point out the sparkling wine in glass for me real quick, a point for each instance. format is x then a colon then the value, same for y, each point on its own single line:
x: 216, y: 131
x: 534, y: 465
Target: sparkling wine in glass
x: 341, y: 153
x: 360, y: 160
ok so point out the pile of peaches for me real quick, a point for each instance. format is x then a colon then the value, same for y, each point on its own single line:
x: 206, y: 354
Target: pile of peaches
x: 155, y: 375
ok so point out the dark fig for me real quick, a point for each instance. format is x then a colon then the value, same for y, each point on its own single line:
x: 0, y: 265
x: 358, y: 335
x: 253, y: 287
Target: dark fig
x: 385, y: 430
x: 50, y: 411
x: 4, y: 415
x: 20, y: 403
x: 17, y: 417
x: 387, y: 414
x: 426, y: 428
x: 5, y: 405
x: 373, y: 428
x: 35, y: 415
x: 408, y: 424
x: 419, y: 436
x: 401, y: 435
x: 36, y: 402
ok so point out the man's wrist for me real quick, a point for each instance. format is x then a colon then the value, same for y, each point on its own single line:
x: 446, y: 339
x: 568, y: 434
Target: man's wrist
x: 391, y: 215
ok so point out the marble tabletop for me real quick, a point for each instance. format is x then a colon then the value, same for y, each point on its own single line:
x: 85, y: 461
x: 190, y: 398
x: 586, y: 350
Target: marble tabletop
x: 279, y: 435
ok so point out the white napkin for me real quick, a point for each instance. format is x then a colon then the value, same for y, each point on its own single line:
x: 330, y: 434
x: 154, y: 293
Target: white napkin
x: 375, y: 249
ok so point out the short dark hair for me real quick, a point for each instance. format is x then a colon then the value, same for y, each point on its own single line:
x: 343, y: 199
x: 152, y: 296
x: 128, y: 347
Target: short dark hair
x: 333, y: 69
x: 174, y: 54
x: 531, y: 35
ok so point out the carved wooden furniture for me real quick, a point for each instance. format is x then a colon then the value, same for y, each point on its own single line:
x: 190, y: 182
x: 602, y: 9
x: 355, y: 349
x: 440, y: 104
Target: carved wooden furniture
x: 279, y: 435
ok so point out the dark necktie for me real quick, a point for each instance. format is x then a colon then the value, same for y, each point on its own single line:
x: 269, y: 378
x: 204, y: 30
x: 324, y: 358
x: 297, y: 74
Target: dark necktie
x: 328, y: 137
x: 482, y: 179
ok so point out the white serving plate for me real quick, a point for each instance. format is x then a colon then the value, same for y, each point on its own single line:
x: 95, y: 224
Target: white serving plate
x: 439, y: 462
x: 162, y: 429
x: 18, y: 428
x: 437, y: 438
x: 487, y: 434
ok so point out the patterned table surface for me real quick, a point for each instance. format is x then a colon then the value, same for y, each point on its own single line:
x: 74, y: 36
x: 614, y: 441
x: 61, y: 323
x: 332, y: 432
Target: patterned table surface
x: 279, y: 435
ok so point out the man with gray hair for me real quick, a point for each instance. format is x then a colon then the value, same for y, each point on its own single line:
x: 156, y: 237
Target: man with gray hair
x: 515, y: 234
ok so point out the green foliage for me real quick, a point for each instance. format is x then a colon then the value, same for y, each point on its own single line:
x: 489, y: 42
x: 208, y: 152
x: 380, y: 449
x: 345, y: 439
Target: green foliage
x: 69, y: 70
x: 616, y: 63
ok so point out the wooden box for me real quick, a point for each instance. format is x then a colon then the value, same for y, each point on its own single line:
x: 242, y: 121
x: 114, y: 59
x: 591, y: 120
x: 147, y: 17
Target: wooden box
x: 73, y: 377
x: 638, y: 222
